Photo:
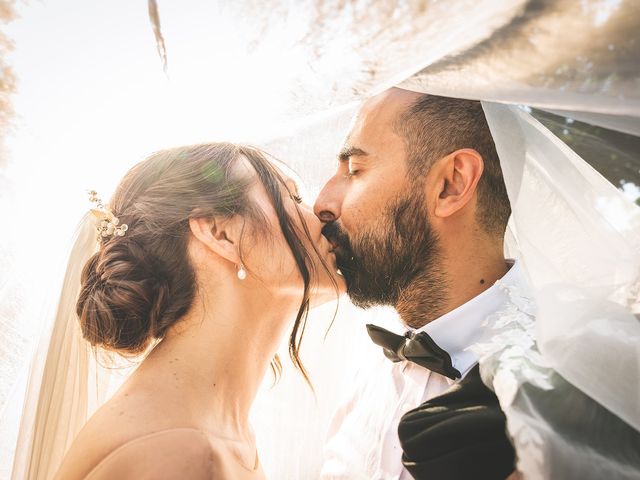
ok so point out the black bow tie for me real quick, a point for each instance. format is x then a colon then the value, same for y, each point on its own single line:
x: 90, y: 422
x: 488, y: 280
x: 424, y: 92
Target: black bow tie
x: 417, y: 348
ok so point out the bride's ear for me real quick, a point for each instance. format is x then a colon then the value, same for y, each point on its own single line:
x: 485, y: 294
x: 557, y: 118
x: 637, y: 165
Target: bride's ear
x: 219, y: 235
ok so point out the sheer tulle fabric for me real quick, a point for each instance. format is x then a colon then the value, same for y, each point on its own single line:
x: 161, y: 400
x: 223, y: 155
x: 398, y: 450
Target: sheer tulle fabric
x: 68, y: 379
x: 580, y: 238
x: 573, y: 380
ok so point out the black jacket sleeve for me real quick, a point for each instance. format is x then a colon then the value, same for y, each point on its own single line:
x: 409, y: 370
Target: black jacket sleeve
x: 458, y: 435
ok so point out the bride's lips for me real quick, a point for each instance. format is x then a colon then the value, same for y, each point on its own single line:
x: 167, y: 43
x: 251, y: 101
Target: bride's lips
x: 334, y: 245
x: 330, y: 240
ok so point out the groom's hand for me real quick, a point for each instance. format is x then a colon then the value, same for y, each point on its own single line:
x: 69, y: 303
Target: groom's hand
x: 514, y: 476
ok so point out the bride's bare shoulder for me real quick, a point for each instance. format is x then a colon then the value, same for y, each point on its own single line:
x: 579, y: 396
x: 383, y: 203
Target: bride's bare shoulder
x: 170, y: 454
x: 175, y: 453
x: 131, y: 426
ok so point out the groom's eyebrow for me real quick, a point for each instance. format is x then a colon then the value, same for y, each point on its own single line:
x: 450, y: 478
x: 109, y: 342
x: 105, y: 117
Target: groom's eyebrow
x: 348, y: 152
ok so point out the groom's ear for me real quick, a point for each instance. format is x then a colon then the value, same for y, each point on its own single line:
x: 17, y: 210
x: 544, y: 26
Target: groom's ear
x: 220, y: 236
x: 457, y: 177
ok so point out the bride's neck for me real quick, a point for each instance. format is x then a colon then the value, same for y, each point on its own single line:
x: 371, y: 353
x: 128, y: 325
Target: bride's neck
x: 218, y: 354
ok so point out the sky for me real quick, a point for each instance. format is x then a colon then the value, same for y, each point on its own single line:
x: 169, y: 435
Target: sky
x: 92, y: 94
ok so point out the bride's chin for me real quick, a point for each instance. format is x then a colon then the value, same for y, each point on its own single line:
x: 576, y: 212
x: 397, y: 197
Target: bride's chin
x: 328, y: 291
x: 337, y: 275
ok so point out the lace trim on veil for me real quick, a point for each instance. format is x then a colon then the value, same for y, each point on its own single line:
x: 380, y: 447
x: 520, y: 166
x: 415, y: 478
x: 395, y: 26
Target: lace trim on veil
x: 542, y: 427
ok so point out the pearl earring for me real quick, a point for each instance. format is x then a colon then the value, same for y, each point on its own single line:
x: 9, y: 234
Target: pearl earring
x: 242, y: 273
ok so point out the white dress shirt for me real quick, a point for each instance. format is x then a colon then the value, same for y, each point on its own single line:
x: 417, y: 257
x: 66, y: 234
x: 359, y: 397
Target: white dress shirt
x: 363, y: 439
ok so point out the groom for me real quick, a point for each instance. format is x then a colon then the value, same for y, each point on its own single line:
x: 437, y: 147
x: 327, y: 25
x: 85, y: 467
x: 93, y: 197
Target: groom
x: 416, y: 213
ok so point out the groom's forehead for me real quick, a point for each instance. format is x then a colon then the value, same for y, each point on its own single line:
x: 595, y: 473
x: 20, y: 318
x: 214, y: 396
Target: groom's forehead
x: 378, y: 114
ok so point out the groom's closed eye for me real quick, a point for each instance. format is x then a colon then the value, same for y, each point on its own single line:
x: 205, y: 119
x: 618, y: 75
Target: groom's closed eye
x: 345, y: 159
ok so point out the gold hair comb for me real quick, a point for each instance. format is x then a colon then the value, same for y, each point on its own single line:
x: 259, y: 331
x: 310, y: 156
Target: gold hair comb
x: 109, y: 223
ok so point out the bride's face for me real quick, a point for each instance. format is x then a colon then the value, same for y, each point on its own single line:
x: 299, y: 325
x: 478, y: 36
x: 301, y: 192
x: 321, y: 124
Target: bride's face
x: 270, y: 259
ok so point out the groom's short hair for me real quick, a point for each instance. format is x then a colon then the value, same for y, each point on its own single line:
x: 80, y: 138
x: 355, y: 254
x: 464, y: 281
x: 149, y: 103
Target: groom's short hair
x: 433, y: 127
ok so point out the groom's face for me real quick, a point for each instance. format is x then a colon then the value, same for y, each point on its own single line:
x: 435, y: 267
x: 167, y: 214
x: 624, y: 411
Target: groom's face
x: 374, y: 215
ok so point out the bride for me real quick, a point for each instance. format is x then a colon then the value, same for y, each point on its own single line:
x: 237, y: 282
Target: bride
x: 206, y: 254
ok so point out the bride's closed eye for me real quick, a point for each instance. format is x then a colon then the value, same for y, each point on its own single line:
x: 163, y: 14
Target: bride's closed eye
x: 294, y: 191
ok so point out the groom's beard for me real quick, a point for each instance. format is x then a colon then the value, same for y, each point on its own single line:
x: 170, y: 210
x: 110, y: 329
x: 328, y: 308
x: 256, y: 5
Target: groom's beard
x: 393, y: 262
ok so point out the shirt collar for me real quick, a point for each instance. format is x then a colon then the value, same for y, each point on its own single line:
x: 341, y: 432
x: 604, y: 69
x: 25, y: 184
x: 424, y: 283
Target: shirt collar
x: 460, y: 328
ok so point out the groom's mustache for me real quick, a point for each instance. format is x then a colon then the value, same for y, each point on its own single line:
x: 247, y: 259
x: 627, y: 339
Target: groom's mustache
x: 341, y: 245
x: 336, y: 235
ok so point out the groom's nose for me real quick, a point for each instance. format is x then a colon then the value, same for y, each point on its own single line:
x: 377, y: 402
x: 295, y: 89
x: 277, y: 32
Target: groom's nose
x: 329, y: 202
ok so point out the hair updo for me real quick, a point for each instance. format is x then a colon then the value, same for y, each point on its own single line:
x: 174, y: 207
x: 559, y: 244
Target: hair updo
x: 138, y: 285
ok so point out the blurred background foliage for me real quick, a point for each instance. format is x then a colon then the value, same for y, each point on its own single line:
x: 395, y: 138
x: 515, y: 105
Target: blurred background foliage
x: 614, y: 154
x: 7, y: 76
